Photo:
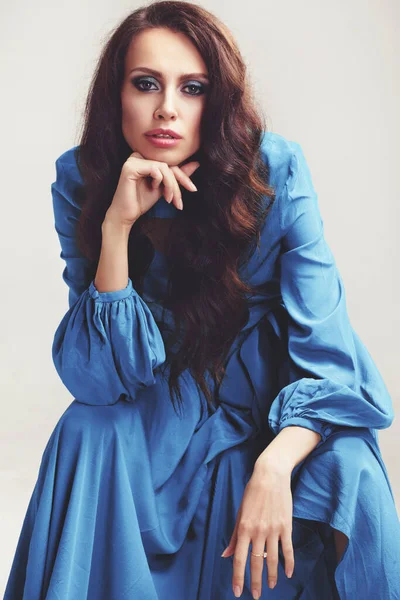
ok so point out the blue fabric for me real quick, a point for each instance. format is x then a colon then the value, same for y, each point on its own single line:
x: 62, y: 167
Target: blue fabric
x: 135, y: 502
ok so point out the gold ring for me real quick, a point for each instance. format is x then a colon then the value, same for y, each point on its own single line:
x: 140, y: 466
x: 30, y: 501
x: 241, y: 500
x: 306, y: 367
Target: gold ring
x: 264, y: 555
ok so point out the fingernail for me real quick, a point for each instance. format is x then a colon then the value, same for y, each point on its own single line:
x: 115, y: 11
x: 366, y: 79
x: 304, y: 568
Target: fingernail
x: 256, y: 594
x: 224, y: 552
x: 236, y: 591
x: 271, y: 584
x: 193, y: 187
x: 289, y: 573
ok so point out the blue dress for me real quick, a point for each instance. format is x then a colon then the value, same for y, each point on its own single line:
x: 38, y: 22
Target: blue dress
x: 133, y: 502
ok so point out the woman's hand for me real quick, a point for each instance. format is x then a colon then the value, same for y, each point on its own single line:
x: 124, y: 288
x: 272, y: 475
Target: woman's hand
x: 264, y: 517
x: 142, y: 182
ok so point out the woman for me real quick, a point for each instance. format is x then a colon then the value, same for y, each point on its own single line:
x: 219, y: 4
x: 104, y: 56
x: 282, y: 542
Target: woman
x: 222, y: 298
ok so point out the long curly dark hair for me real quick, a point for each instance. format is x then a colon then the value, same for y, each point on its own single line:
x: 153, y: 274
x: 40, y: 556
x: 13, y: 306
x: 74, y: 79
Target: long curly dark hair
x: 206, y: 295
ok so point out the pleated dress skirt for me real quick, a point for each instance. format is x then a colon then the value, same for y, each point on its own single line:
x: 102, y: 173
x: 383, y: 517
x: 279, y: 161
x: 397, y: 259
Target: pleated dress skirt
x: 118, y: 514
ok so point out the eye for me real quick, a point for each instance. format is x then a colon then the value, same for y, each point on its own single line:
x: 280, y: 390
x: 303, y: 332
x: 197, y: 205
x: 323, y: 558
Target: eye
x: 138, y: 82
x: 200, y: 88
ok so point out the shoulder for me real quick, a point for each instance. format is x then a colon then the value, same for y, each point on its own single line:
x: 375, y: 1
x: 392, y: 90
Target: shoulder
x: 68, y: 162
x: 282, y: 157
x: 291, y: 179
x: 68, y: 178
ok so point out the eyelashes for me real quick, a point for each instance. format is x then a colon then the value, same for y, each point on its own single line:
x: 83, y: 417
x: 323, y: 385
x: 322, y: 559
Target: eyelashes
x: 138, y: 81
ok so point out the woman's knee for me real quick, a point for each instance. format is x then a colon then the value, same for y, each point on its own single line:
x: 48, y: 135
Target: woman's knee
x: 350, y: 448
x: 80, y: 419
x: 353, y: 446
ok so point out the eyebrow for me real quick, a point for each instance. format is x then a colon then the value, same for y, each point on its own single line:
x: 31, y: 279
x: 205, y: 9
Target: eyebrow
x: 158, y: 74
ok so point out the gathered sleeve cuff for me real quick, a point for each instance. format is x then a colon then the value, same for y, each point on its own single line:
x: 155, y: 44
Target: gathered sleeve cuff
x: 333, y: 381
x: 106, y: 345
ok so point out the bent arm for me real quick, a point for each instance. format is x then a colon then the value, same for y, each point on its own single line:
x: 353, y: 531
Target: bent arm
x: 333, y: 380
x: 108, y: 343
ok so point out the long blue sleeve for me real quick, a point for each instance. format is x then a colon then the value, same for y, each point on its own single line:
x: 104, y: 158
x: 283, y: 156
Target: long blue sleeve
x: 107, y: 343
x: 333, y: 380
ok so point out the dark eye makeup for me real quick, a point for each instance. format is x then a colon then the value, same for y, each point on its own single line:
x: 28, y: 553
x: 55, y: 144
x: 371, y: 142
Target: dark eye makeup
x: 139, y: 81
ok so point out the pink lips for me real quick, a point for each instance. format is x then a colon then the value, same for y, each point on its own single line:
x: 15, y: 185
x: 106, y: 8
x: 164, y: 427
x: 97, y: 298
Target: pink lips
x: 163, y: 130
x: 162, y: 142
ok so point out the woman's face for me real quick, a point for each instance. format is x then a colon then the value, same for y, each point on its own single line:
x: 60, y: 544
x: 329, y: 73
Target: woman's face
x: 172, y: 99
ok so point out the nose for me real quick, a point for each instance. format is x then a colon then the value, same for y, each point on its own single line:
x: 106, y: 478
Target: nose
x: 167, y: 108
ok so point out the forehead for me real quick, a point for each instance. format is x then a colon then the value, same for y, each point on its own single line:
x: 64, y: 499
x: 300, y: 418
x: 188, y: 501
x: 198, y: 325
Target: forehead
x: 165, y: 51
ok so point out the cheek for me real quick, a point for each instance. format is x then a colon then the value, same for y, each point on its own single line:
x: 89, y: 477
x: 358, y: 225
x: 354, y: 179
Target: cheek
x: 194, y: 132
x: 193, y: 116
x: 132, y: 110
x: 133, y: 106
x: 197, y: 114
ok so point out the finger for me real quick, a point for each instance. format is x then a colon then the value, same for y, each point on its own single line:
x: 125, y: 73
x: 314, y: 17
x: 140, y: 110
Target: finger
x: 172, y: 188
x: 190, y: 167
x: 257, y: 565
x: 230, y: 549
x: 166, y: 181
x: 240, y: 559
x: 158, y: 171
x: 272, y: 559
x: 137, y: 154
x: 287, y: 550
x: 157, y: 177
x: 184, y: 178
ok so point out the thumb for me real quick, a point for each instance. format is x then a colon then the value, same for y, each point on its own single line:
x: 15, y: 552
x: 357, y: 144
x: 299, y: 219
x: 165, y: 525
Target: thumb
x: 230, y: 549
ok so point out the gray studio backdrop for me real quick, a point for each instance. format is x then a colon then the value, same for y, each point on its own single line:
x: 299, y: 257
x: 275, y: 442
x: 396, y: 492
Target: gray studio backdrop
x: 326, y: 75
